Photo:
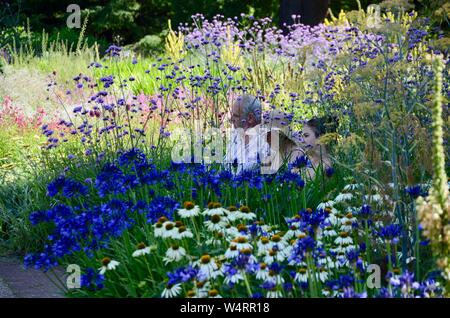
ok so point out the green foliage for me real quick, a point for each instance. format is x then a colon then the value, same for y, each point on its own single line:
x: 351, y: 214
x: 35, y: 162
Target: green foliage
x: 115, y: 20
x: 347, y: 5
x: 18, y: 199
x: 148, y: 45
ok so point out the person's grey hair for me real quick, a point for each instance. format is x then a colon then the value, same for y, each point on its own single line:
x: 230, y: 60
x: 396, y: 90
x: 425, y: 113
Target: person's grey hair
x: 250, y: 104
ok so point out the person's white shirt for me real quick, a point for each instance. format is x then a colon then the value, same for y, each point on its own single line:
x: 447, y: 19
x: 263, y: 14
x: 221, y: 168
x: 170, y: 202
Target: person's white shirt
x: 247, y: 154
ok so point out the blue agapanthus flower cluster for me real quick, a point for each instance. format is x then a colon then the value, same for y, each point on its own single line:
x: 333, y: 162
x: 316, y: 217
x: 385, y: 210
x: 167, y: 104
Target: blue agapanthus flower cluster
x: 182, y: 275
x: 391, y: 231
x: 112, y: 180
x: 67, y: 186
x: 79, y: 229
x: 92, y: 280
x: 415, y: 191
x: 132, y: 169
x: 405, y: 286
x: 161, y: 206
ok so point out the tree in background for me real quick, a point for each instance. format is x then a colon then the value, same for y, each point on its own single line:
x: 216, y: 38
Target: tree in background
x: 311, y: 12
x: 128, y: 21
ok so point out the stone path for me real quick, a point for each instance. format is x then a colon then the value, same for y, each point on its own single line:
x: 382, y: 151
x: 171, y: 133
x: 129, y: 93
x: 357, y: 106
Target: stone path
x: 16, y: 282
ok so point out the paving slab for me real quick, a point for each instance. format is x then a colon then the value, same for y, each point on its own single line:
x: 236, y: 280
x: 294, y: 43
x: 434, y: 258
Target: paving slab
x: 18, y: 282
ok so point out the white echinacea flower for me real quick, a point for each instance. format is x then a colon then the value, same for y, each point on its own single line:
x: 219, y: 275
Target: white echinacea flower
x: 141, y: 250
x: 190, y: 210
x: 343, y: 197
x: 175, y: 253
x: 171, y: 291
x: 214, y: 208
x: 108, y: 265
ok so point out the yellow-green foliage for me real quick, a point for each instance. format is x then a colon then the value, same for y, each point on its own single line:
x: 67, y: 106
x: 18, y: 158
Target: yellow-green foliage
x: 434, y: 212
x: 230, y: 52
x: 18, y: 151
x: 175, y: 44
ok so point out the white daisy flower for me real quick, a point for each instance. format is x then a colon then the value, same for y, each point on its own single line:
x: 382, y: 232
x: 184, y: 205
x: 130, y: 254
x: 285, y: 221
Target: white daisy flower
x: 329, y: 231
x: 192, y: 294
x: 171, y: 291
x: 232, y: 251
x: 190, y: 210
x: 265, y: 228
x: 375, y: 188
x: 263, y: 245
x: 108, y: 265
x: 202, y: 288
x: 322, y: 275
x: 294, y: 231
x: 214, y: 208
x: 332, y: 219
x: 206, y: 265
x: 262, y: 272
x: 231, y: 232
x: 233, y: 278
x: 342, y: 197
x: 347, y: 222
x: 302, y: 275
x: 331, y: 215
x: 217, y: 223
x: 352, y: 186
x: 278, y: 242
x: 348, y: 248
x: 287, y: 251
x: 184, y: 232
x: 323, y: 205
x: 326, y: 261
x: 243, y: 214
x: 218, y: 272
x: 246, y: 214
x: 141, y: 250
x: 242, y: 243
x: 214, y: 293
x: 274, y: 294
x: 343, y: 239
x: 170, y: 231
x: 232, y: 213
x: 275, y: 279
x: 273, y: 255
x: 175, y: 253
x: 338, y: 249
x: 341, y: 261
x: 214, y: 241
x: 374, y: 198
x: 158, y: 229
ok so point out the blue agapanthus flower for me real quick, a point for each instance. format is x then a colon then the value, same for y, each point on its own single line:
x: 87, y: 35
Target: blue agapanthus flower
x: 55, y: 186
x: 92, y: 280
x: 365, y: 211
x: 391, y: 231
x: 182, y: 275
x: 110, y: 180
x: 299, y: 162
x: 161, y: 206
x: 415, y: 191
x: 133, y: 156
x: 74, y: 188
